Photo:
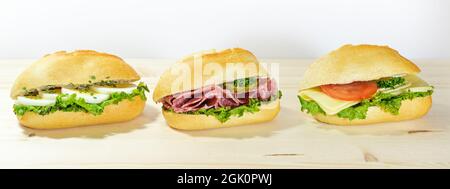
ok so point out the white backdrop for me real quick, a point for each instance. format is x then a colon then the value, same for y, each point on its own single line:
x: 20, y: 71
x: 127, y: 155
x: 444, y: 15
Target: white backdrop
x: 270, y: 28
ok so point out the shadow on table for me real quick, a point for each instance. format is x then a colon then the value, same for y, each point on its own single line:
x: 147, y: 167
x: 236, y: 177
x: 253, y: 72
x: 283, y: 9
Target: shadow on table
x: 437, y: 120
x: 98, y: 131
x: 286, y: 119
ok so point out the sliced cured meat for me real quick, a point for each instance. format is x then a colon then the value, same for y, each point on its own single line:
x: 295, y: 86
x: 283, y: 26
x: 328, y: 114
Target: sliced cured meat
x: 214, y: 96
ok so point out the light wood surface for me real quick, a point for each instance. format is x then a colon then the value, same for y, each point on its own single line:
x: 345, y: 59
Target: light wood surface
x: 292, y: 140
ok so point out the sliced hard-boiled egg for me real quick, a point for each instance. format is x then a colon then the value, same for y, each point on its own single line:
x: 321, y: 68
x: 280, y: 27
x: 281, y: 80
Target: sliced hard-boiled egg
x: 109, y: 90
x: 94, y: 98
x: 21, y: 100
x: 49, y: 96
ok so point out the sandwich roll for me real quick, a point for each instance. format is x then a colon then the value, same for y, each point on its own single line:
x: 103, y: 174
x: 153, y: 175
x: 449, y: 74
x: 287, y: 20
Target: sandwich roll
x: 364, y: 84
x: 211, y: 98
x: 70, y: 89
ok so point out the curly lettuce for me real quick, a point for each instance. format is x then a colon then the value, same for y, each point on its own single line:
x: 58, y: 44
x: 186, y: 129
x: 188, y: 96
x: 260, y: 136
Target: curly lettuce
x: 310, y: 107
x: 387, y: 102
x: 223, y: 114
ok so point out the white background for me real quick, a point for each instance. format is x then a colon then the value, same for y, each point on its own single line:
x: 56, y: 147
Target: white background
x: 271, y: 29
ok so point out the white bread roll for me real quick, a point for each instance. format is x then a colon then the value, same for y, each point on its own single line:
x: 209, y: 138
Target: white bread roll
x: 241, y: 59
x: 352, y: 63
x: 78, y: 67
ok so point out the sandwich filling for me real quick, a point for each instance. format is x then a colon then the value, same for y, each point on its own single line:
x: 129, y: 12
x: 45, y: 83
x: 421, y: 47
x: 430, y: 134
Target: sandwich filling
x: 352, y: 101
x: 89, y: 98
x: 224, y: 100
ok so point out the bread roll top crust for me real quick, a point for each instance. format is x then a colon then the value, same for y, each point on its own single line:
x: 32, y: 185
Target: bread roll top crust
x: 78, y: 67
x: 125, y: 110
x: 352, y: 63
x: 207, y: 68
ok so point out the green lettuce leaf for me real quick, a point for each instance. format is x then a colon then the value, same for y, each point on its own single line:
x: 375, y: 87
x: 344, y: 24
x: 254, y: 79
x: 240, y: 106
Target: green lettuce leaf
x: 70, y: 103
x: 359, y: 111
x: 310, y: 107
x: 391, y: 103
x: 223, y: 114
x: 387, y: 102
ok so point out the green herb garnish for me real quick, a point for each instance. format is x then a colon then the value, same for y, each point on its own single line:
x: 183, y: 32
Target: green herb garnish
x: 245, y: 82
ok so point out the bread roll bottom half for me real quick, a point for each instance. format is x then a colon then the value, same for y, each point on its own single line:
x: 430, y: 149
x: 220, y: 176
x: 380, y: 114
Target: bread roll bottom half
x: 125, y: 110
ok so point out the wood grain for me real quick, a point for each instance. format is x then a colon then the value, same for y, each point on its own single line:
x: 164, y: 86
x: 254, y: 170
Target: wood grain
x: 292, y: 140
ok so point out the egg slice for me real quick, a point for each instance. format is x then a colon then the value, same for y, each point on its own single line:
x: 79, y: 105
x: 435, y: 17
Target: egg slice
x: 49, y: 96
x: 88, y: 97
x: 21, y: 100
x: 109, y: 90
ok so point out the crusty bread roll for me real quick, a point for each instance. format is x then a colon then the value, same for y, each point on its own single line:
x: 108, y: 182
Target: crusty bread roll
x: 356, y: 63
x: 78, y: 67
x: 123, y: 111
x: 198, y: 122
x: 230, y: 61
x: 352, y: 63
x: 212, y: 68
x: 410, y: 109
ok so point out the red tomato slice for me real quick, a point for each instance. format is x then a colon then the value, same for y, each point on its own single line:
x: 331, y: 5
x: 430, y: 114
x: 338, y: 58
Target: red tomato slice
x: 355, y: 91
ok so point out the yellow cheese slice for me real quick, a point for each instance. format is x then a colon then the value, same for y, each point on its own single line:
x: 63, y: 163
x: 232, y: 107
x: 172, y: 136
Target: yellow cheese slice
x: 330, y: 105
x: 416, y: 81
x: 413, y: 84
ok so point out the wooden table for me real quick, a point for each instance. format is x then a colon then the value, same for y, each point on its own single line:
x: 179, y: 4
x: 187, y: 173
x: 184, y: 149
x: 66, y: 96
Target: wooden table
x: 292, y: 140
